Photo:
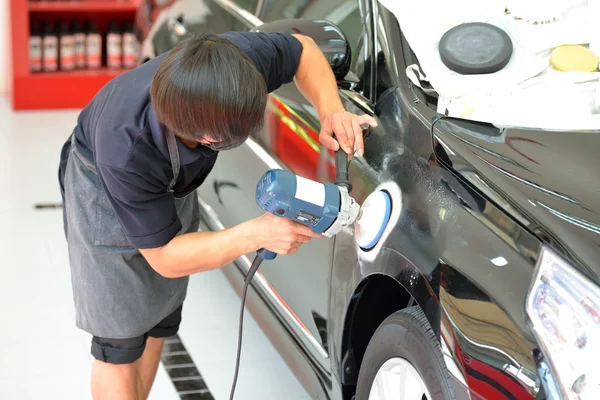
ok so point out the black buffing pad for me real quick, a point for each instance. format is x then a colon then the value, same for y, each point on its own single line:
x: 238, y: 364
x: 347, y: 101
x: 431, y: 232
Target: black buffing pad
x: 475, y: 48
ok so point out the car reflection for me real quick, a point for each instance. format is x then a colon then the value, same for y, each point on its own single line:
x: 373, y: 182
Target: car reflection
x: 495, y: 360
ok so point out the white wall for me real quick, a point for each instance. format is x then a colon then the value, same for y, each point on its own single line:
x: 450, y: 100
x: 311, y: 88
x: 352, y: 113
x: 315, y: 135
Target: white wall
x: 4, y: 46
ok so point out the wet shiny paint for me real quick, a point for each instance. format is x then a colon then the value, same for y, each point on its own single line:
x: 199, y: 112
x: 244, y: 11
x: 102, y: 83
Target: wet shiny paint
x: 441, y: 251
x: 551, y: 180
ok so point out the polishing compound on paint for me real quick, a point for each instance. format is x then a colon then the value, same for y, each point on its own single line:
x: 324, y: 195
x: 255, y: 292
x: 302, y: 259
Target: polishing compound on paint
x: 373, y: 219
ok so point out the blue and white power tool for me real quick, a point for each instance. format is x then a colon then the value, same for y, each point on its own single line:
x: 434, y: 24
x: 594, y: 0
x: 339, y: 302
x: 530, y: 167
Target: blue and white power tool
x: 326, y: 208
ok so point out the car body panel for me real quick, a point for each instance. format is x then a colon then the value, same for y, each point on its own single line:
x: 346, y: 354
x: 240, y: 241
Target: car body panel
x: 442, y: 250
x: 550, y: 179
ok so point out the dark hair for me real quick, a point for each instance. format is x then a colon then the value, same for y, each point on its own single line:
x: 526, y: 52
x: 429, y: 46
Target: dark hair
x: 207, y: 85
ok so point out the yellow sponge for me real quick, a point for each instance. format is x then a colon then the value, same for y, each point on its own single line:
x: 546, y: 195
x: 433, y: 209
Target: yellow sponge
x: 574, y: 58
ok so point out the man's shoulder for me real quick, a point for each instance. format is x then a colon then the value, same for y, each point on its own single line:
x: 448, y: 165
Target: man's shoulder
x: 128, y: 148
x: 123, y: 121
x: 261, y: 42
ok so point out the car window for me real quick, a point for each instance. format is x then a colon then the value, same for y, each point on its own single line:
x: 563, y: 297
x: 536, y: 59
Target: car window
x: 281, y: 9
x: 210, y: 18
x: 248, y: 5
x: 343, y: 13
x: 349, y: 21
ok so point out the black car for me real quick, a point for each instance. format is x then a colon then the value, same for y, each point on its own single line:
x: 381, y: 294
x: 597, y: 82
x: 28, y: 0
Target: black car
x: 485, y: 284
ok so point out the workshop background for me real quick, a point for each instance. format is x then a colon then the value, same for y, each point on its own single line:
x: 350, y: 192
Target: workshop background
x: 44, y: 355
x: 487, y: 176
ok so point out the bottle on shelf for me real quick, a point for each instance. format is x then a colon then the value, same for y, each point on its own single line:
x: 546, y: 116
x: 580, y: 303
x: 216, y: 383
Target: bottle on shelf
x: 130, y: 46
x: 50, y: 48
x: 79, y: 35
x: 93, y: 46
x: 35, y: 48
x: 66, y: 47
x: 114, y: 42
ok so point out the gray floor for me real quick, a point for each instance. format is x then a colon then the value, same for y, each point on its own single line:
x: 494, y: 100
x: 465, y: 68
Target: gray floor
x: 44, y: 355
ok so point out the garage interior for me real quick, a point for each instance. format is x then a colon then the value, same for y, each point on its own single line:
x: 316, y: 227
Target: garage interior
x: 466, y: 246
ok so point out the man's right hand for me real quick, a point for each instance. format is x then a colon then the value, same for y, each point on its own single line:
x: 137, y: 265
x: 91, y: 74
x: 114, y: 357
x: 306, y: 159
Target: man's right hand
x: 205, y: 250
x: 280, y: 235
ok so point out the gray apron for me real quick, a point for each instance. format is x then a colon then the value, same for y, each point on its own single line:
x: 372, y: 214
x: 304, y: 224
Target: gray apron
x: 116, y: 292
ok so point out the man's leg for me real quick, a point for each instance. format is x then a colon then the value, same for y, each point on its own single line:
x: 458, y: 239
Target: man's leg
x: 148, y: 364
x: 115, y: 373
x: 115, y: 381
x: 126, y: 368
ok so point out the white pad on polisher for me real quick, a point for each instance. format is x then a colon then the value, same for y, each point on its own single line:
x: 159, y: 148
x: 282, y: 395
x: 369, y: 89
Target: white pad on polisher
x: 375, y: 215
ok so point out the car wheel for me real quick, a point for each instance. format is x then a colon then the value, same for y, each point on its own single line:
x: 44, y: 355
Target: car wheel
x: 403, y: 361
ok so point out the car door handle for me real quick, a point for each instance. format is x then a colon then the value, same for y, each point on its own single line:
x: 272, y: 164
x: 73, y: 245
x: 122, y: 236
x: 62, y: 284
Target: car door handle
x: 218, y: 185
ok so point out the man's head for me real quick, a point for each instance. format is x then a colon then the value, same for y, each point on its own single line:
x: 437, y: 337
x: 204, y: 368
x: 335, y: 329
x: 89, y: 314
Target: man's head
x: 208, y: 90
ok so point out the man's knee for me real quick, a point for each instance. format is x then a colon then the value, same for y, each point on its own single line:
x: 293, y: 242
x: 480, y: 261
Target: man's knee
x: 127, y: 351
x: 118, y: 351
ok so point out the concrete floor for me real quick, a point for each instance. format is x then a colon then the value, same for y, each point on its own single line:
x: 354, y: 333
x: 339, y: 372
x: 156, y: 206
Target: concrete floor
x: 44, y: 355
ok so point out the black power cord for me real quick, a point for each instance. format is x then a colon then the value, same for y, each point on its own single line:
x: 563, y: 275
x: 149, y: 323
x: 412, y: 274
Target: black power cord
x: 253, y: 268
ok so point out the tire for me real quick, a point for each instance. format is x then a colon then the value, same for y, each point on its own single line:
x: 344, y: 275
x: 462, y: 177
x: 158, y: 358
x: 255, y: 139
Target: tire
x: 405, y: 340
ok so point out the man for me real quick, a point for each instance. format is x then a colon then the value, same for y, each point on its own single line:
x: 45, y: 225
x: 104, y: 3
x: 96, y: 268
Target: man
x: 128, y: 176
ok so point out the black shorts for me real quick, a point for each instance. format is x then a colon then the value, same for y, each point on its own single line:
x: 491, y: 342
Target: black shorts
x: 126, y: 351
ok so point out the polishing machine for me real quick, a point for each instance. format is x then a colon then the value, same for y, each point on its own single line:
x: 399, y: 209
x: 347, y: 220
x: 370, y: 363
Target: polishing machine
x: 326, y: 208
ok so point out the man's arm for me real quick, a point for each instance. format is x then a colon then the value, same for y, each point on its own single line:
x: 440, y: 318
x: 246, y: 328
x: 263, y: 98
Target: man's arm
x: 202, y: 251
x: 148, y: 217
x: 315, y: 80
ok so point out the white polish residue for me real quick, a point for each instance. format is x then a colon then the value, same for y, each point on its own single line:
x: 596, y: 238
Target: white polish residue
x: 310, y: 191
x: 499, y: 261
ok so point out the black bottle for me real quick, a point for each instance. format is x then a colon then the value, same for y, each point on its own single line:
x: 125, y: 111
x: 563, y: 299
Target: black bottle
x: 35, y: 47
x: 50, y: 47
x: 130, y: 46
x: 93, y: 46
x: 79, y: 35
x: 114, y: 41
x: 66, y: 47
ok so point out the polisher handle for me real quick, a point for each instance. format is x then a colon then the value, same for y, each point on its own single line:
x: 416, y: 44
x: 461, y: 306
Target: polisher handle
x: 266, y: 254
x: 341, y: 170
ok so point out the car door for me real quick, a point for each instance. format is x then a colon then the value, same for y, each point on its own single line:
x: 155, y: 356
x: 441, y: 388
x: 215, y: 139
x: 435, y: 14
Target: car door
x: 299, y: 282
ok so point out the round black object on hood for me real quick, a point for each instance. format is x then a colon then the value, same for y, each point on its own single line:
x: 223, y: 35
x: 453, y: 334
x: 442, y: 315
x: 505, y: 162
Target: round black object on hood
x: 475, y: 48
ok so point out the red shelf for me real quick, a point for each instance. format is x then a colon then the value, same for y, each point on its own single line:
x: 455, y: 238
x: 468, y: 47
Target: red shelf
x: 83, y: 73
x: 82, y: 6
x: 60, y: 89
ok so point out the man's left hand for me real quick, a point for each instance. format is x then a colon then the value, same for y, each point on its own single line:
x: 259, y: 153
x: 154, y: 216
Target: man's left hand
x: 347, y: 130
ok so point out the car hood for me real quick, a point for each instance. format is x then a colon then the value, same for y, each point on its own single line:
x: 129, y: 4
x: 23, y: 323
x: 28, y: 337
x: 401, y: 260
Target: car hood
x: 547, y: 180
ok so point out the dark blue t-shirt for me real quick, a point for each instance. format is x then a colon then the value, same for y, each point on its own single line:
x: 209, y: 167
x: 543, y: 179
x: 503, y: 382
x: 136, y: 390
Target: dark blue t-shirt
x: 121, y: 133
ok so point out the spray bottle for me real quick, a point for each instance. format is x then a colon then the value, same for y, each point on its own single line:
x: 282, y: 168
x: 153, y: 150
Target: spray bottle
x: 113, y: 46
x: 67, y: 45
x: 93, y: 46
x: 50, y: 45
x: 35, y: 48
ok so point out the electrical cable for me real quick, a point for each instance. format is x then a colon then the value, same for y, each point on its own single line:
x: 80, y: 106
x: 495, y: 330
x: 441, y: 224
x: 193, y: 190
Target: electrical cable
x: 253, y: 268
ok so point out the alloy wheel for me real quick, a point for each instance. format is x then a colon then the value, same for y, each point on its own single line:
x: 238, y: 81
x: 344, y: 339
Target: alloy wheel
x: 397, y: 379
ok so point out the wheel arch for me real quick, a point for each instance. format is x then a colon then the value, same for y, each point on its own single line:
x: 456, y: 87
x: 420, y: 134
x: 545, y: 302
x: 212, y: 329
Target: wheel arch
x: 376, y: 296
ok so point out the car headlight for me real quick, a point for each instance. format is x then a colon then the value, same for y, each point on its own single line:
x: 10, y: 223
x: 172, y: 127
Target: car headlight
x: 564, y: 309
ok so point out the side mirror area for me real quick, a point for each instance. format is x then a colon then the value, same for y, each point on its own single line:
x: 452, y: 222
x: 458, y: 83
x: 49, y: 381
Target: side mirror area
x: 328, y: 36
